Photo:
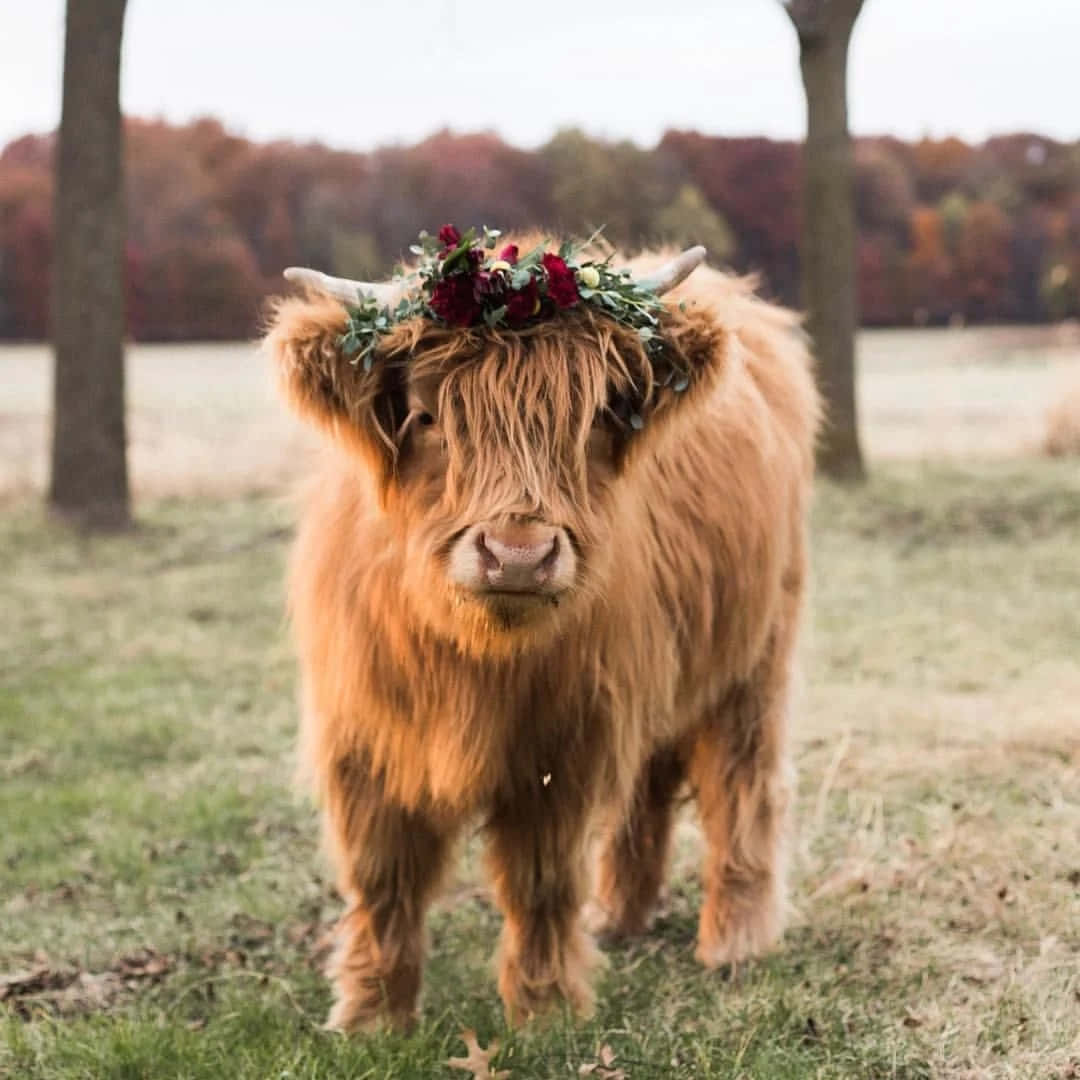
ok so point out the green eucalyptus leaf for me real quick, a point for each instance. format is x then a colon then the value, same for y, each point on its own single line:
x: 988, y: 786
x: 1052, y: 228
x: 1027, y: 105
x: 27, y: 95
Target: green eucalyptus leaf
x: 458, y: 254
x: 533, y: 257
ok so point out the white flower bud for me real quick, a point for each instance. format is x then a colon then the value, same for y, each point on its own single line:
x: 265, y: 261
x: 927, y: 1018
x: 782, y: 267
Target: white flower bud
x: 589, y: 276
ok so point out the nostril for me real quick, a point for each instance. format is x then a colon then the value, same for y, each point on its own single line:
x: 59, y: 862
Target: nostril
x: 488, y: 559
x: 547, y: 563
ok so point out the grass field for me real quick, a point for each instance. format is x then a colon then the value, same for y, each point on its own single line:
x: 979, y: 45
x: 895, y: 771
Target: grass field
x: 163, y: 905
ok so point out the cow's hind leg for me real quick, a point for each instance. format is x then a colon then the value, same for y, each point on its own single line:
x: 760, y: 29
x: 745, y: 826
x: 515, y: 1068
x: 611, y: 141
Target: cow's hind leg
x: 741, y: 775
x: 633, y: 866
x: 388, y: 862
x: 536, y: 854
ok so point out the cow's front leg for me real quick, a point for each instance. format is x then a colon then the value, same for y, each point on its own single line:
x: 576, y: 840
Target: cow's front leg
x: 388, y: 863
x: 537, y: 859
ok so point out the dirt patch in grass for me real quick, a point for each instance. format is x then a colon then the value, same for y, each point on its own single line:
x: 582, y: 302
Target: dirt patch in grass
x: 66, y: 989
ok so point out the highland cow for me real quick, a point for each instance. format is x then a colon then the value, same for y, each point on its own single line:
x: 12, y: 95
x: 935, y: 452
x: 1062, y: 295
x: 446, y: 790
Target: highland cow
x: 514, y: 606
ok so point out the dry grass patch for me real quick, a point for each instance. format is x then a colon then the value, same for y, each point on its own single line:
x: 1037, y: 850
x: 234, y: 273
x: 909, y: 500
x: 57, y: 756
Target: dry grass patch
x: 1063, y: 424
x: 968, y: 393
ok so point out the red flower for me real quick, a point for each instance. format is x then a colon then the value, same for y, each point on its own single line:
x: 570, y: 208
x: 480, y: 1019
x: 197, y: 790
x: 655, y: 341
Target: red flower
x: 488, y: 284
x: 522, y: 303
x: 562, y: 288
x: 454, y: 300
x: 509, y: 254
x: 449, y: 237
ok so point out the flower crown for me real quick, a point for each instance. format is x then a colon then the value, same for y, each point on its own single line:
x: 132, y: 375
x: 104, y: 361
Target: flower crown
x: 461, y: 280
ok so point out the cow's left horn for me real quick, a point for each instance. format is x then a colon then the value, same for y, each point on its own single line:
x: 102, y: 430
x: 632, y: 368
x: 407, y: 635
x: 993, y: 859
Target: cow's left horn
x: 672, y: 273
x: 352, y: 292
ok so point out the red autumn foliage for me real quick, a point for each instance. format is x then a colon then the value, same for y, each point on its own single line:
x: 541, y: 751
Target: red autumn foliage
x: 991, y: 232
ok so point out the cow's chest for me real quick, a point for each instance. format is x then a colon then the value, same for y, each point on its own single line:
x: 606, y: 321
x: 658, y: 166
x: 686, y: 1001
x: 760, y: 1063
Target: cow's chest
x: 522, y: 727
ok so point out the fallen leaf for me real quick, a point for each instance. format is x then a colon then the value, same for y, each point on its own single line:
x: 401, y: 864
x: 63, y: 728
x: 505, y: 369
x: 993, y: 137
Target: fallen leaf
x: 250, y: 932
x: 604, y: 1069
x: 301, y: 932
x: 144, y: 964
x: 479, y: 1060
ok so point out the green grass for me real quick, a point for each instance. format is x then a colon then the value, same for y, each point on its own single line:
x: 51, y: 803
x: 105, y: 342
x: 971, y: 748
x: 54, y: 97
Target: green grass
x: 161, y: 875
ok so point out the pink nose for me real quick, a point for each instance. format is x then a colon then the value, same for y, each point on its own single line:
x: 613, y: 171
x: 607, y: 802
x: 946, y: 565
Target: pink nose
x: 518, y: 557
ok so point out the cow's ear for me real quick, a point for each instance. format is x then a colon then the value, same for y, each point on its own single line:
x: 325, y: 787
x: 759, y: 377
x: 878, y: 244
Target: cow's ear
x: 697, y: 355
x: 358, y: 409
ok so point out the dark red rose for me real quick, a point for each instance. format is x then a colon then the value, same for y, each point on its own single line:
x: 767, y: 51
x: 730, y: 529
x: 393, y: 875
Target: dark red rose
x: 487, y: 284
x: 449, y: 237
x: 522, y: 303
x: 562, y: 288
x: 509, y: 254
x: 454, y: 300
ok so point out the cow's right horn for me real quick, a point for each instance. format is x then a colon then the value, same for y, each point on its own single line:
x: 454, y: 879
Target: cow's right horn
x: 385, y: 293
x: 672, y: 273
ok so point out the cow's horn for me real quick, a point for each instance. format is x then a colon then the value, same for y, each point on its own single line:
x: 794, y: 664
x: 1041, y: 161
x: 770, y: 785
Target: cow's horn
x: 679, y: 269
x: 384, y: 292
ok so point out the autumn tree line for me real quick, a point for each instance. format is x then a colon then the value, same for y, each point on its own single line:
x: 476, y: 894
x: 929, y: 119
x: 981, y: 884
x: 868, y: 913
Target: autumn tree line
x: 946, y: 230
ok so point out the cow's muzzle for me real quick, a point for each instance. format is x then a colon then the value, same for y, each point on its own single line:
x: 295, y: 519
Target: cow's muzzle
x: 515, y: 559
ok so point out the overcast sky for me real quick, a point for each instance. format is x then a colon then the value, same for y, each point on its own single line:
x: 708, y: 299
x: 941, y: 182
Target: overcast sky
x: 359, y: 73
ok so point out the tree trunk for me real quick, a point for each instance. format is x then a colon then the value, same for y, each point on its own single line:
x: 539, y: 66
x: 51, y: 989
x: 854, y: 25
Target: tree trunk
x: 828, y: 249
x: 89, y: 481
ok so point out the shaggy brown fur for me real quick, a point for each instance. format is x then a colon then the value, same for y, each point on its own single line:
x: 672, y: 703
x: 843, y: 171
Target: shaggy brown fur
x: 668, y: 661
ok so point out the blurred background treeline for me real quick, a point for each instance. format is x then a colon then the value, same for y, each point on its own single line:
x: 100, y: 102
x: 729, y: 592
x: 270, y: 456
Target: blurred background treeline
x: 947, y: 231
